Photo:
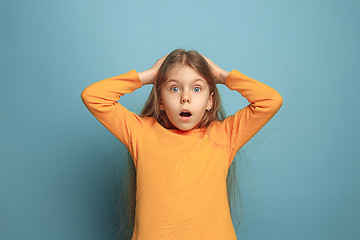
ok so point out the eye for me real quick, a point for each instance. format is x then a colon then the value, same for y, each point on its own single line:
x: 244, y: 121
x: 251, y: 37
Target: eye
x: 197, y: 89
x: 174, y: 89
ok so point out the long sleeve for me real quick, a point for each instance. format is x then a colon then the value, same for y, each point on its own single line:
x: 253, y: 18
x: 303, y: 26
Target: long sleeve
x: 101, y: 98
x: 264, y: 101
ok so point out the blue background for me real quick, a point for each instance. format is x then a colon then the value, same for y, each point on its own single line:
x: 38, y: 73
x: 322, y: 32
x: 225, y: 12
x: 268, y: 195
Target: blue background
x: 59, y: 166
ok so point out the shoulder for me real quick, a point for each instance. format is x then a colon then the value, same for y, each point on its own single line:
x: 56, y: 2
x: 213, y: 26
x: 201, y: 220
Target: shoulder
x: 216, y: 132
x: 147, y: 122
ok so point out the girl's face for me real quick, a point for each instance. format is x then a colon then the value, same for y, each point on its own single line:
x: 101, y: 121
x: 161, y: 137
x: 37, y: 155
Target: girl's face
x: 185, y: 96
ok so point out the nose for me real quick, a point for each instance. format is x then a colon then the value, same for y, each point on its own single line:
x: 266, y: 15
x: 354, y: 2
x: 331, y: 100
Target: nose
x: 185, y: 98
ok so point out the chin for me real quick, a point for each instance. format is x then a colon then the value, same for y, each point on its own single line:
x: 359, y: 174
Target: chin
x: 184, y: 128
x: 188, y: 128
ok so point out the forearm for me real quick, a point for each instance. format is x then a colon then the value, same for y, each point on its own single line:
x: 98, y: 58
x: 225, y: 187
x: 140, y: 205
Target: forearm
x: 222, y: 77
x: 261, y: 96
x: 264, y: 101
x: 146, y: 77
x: 101, y: 95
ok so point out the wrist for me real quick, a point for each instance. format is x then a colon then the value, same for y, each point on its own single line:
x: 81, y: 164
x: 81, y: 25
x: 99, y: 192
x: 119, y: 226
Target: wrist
x: 146, y: 77
x: 223, y: 76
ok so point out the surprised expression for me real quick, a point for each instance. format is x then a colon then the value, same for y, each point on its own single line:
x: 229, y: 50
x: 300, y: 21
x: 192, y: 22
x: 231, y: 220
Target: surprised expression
x: 185, y: 96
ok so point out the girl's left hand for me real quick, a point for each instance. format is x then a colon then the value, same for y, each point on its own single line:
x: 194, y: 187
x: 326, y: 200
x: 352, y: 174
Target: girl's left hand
x: 219, y: 74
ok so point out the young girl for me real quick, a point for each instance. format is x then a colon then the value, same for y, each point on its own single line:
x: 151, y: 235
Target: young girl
x: 181, y: 146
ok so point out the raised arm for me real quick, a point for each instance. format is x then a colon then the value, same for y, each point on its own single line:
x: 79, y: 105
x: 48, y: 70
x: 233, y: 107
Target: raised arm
x: 101, y: 98
x: 264, y: 101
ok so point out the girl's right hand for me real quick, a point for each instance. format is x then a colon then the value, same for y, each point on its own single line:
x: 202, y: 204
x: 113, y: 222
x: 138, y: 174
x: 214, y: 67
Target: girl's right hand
x: 148, y: 76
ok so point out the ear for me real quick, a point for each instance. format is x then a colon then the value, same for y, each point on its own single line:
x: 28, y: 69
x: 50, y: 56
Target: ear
x: 210, y: 102
x: 161, y: 105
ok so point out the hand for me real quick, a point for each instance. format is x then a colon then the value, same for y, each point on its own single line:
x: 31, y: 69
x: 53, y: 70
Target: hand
x: 156, y: 66
x: 219, y: 74
x: 148, y: 76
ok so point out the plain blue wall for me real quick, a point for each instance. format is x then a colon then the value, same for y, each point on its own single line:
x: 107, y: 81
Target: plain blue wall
x: 59, y: 164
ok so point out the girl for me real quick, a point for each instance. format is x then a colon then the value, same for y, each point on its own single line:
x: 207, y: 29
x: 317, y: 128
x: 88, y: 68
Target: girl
x: 180, y: 145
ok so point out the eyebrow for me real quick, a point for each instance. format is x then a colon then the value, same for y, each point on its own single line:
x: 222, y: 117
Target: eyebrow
x: 195, y: 80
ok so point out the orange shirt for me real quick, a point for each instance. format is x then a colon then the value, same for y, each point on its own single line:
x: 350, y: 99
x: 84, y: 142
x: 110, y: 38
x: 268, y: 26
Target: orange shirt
x: 181, y: 175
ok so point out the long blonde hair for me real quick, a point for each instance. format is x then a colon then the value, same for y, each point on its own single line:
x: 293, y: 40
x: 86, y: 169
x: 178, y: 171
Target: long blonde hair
x: 152, y: 109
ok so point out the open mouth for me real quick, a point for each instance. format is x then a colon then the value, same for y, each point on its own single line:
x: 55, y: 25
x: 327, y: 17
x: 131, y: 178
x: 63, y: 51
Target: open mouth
x: 185, y: 114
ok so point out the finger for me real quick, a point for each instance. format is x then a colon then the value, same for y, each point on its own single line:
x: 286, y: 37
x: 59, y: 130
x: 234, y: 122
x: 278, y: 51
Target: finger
x: 208, y: 60
x: 163, y: 58
x: 204, y: 57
